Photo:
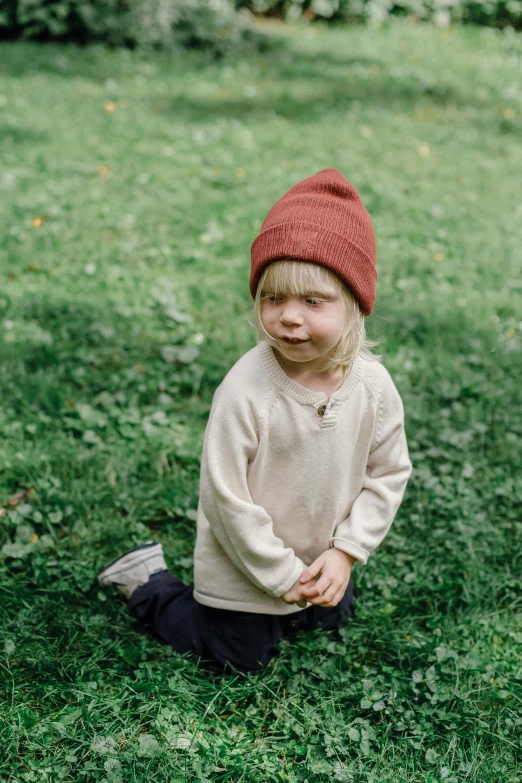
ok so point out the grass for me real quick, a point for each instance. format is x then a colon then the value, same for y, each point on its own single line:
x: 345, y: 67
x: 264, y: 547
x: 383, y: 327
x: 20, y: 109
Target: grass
x: 132, y: 187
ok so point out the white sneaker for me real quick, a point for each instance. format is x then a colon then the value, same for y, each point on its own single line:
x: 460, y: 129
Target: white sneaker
x: 134, y: 568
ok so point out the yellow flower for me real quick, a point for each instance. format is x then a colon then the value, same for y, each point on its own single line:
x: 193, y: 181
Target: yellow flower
x: 37, y: 222
x: 103, y: 171
x: 110, y: 107
x: 438, y: 256
x: 423, y: 150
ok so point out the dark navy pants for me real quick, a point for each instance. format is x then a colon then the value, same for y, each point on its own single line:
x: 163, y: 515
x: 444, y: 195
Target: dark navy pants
x: 246, y: 640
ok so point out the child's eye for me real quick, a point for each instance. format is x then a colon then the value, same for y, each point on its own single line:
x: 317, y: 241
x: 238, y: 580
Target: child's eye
x: 313, y: 301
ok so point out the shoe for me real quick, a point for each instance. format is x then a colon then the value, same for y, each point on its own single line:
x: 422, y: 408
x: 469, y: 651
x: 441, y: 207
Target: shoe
x: 134, y: 568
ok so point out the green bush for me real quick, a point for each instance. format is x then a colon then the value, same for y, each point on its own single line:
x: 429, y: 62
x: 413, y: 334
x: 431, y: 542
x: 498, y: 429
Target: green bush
x: 212, y: 24
x: 496, y: 13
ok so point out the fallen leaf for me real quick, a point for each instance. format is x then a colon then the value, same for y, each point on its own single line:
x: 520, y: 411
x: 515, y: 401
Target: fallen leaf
x: 20, y: 497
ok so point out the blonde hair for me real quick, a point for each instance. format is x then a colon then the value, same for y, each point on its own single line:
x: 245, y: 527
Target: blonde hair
x: 290, y: 277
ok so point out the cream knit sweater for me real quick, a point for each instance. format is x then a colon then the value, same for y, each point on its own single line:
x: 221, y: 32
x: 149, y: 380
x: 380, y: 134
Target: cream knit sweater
x: 281, y: 483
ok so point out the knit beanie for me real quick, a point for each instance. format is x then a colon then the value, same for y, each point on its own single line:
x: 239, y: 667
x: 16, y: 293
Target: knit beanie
x: 321, y: 219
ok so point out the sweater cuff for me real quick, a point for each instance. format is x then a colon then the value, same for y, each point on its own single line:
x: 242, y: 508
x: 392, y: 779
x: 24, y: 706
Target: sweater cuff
x: 350, y: 548
x: 288, y: 583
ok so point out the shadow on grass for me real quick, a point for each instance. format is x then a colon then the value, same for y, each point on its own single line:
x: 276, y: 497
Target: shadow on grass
x: 328, y: 80
x: 59, y: 352
x: 19, y: 134
x: 305, y: 110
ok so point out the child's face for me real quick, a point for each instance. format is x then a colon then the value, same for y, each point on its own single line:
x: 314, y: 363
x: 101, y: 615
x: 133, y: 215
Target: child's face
x: 307, y: 327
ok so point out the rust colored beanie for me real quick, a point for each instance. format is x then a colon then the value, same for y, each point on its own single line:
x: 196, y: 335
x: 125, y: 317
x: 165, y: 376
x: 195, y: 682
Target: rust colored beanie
x: 321, y: 219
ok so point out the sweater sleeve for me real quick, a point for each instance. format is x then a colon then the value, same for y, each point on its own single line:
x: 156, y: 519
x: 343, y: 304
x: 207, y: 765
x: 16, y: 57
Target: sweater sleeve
x: 387, y: 472
x: 243, y: 528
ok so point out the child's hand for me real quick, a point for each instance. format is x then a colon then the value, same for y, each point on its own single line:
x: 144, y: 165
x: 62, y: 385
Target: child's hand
x: 335, y: 567
x: 294, y: 594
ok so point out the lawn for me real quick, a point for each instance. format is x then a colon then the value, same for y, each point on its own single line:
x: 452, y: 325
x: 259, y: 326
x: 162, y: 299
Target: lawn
x: 132, y: 186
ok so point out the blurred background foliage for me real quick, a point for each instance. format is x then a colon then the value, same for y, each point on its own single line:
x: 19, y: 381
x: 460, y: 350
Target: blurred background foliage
x: 211, y: 24
x: 224, y: 25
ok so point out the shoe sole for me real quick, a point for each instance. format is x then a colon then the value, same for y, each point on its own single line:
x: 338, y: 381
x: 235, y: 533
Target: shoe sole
x: 124, y: 566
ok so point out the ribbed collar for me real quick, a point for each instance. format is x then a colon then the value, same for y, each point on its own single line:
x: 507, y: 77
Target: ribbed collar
x: 301, y: 393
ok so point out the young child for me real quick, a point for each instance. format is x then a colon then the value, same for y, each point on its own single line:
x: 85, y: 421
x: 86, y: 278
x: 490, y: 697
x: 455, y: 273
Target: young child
x: 304, y: 461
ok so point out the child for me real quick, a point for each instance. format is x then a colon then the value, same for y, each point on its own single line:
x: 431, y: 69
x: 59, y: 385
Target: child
x: 304, y: 462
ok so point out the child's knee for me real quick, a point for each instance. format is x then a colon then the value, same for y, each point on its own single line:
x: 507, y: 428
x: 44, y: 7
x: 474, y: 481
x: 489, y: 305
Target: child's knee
x: 241, y: 640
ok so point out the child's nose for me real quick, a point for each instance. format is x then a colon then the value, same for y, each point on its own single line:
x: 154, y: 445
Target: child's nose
x: 291, y: 314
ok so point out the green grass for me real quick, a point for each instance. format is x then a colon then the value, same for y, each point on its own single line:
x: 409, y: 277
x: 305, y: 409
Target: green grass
x: 148, y: 215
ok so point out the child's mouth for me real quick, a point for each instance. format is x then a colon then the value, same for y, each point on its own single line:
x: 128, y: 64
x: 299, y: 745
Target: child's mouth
x: 292, y: 341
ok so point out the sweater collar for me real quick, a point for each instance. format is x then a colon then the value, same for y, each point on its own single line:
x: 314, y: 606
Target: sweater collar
x: 299, y: 392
